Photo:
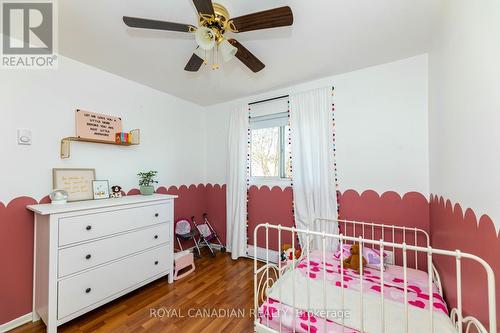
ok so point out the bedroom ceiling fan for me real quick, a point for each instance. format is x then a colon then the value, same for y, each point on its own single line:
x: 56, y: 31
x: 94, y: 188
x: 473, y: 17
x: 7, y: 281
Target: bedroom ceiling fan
x: 213, y: 22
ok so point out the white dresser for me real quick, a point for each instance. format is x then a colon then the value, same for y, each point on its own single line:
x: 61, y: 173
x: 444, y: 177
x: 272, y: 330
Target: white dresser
x: 89, y: 253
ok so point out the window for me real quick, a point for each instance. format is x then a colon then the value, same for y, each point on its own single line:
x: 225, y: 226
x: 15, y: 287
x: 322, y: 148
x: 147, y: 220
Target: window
x: 269, y: 147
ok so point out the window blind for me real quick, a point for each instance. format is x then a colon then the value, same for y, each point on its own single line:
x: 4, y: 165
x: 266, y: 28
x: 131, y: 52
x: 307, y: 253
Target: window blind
x: 269, y: 114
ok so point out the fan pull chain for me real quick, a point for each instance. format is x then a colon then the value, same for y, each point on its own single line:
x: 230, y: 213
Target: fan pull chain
x: 215, y: 58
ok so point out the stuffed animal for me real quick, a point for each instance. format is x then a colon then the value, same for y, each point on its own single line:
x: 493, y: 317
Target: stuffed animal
x: 287, y: 253
x: 352, y: 261
x: 116, y: 191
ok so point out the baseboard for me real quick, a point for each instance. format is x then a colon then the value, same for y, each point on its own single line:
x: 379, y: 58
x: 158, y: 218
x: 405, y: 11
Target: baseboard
x: 262, y: 255
x: 214, y: 246
x: 16, y: 322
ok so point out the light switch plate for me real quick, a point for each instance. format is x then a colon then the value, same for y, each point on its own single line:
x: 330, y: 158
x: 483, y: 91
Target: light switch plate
x: 24, y: 137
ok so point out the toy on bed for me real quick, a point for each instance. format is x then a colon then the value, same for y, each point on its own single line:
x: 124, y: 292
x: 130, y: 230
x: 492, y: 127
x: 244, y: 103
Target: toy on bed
x: 288, y: 254
x: 353, y: 261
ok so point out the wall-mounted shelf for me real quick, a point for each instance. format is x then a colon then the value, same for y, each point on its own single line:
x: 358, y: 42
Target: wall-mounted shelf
x: 66, y: 144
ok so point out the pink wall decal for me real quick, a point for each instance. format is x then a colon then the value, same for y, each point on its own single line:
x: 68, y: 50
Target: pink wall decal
x: 216, y: 208
x: 196, y: 200
x: 452, y: 229
x: 16, y: 258
x: 134, y: 191
x: 410, y: 210
x: 273, y: 206
x: 191, y: 201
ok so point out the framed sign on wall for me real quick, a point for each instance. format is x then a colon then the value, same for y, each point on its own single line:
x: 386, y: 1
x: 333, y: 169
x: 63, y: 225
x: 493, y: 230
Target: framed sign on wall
x: 77, y: 182
x: 96, y: 126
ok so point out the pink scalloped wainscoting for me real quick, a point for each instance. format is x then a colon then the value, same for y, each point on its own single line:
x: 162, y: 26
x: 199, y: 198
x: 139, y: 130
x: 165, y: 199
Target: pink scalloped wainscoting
x: 196, y: 200
x: 275, y: 206
x: 451, y: 229
x: 409, y: 210
x: 16, y: 258
x: 16, y: 239
x: 389, y: 208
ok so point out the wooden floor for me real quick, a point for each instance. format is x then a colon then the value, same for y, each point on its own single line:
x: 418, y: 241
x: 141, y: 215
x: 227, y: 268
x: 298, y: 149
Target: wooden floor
x: 186, y: 306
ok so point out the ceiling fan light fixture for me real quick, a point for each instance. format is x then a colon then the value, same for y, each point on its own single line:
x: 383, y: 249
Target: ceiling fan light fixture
x: 205, y: 38
x: 213, y: 22
x: 227, y: 50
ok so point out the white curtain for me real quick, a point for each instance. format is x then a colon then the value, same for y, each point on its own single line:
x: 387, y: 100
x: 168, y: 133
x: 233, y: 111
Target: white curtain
x: 236, y: 184
x: 314, y: 192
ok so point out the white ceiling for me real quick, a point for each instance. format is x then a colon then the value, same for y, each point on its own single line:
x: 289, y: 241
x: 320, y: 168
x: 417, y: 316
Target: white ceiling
x: 328, y: 37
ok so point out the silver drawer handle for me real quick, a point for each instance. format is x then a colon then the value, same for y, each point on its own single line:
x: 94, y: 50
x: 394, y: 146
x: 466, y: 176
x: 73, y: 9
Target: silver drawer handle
x: 88, y: 290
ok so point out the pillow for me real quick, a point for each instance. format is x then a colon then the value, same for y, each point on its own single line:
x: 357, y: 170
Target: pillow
x: 346, y: 252
x: 372, y: 256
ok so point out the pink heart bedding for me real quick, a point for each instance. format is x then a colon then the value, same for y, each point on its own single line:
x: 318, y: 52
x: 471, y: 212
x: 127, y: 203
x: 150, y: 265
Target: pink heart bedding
x: 417, y: 281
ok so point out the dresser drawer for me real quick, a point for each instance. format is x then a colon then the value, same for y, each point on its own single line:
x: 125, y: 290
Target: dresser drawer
x: 80, y: 257
x: 84, y: 227
x: 80, y: 291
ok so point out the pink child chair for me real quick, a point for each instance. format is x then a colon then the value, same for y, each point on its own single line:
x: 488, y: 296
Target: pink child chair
x: 183, y: 259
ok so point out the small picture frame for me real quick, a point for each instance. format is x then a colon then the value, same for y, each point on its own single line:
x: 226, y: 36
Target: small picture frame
x: 100, y: 189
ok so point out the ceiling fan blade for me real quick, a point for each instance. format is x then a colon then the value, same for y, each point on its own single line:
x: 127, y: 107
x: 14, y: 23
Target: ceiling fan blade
x: 247, y: 57
x: 194, y: 64
x: 136, y: 22
x: 204, y: 7
x: 272, y: 18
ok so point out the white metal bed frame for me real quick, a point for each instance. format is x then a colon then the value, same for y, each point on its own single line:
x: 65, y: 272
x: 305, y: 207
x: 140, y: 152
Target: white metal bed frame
x: 270, y: 273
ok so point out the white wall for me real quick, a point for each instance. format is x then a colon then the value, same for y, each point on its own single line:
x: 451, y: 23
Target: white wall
x: 44, y: 101
x: 464, y: 72
x: 382, y: 127
x: 381, y: 115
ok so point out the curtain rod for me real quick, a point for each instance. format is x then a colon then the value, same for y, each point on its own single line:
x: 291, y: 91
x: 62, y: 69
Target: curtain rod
x: 268, y: 100
x: 272, y: 99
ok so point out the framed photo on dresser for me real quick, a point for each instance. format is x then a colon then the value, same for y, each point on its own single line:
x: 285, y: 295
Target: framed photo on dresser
x: 77, y: 182
x: 100, y: 189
